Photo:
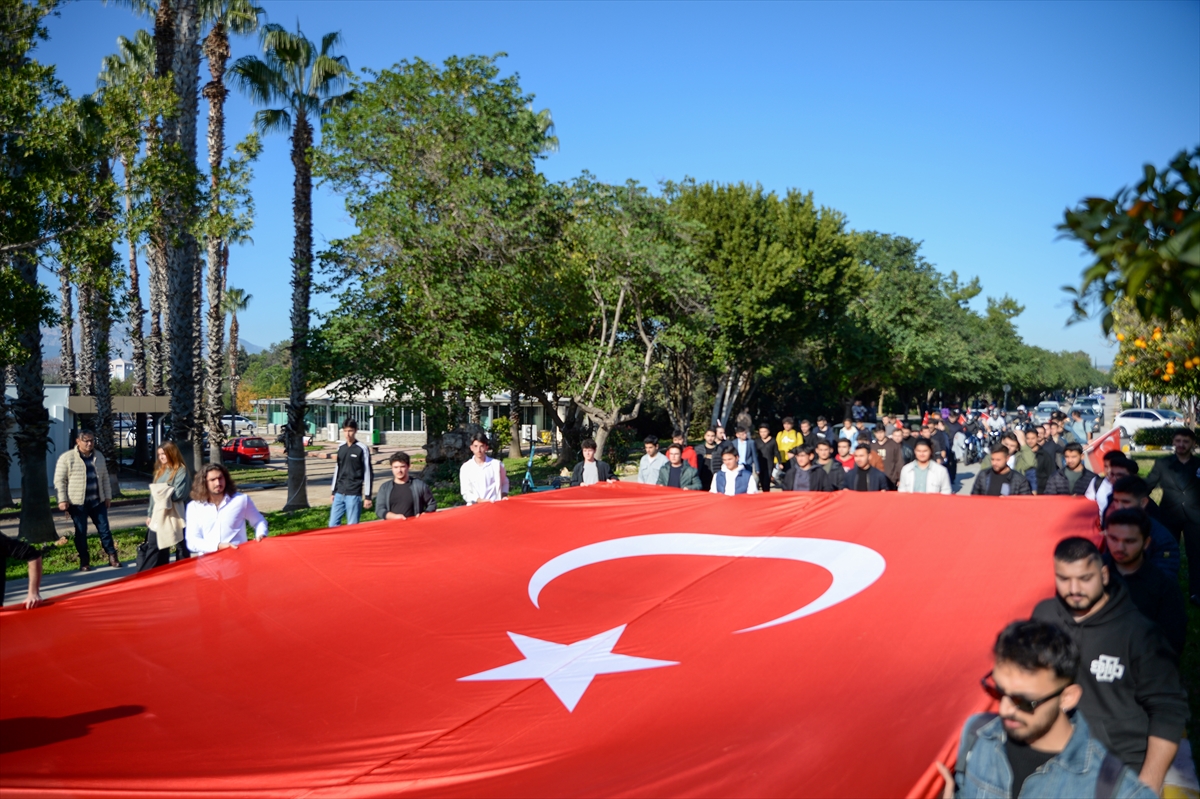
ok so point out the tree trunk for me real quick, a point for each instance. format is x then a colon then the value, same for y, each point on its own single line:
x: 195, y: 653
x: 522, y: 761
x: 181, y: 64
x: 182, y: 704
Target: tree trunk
x: 103, y: 422
x: 515, y: 450
x: 6, y: 500
x: 474, y: 409
x: 137, y: 342
x: 216, y: 347
x: 301, y: 291
x: 216, y: 51
x: 197, y: 356
x: 33, y: 426
x: 154, y: 341
x: 234, y: 378
x: 86, y: 379
x: 66, y: 331
x: 182, y: 252
x: 157, y: 140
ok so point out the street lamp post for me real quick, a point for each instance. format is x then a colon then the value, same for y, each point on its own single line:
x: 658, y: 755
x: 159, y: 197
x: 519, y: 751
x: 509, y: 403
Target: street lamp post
x: 1007, y: 388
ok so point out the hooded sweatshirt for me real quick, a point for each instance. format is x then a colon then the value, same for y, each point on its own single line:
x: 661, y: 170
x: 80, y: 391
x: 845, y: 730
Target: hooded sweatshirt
x: 1131, y: 687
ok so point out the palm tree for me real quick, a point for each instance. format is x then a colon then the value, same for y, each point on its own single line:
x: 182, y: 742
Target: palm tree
x: 305, y: 81
x: 235, y: 300
x: 224, y: 17
x: 133, y: 64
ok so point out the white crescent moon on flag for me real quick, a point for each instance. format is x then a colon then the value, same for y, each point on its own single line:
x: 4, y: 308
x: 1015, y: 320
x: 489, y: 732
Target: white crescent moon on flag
x: 854, y: 567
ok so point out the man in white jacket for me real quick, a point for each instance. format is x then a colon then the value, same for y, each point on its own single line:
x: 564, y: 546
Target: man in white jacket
x: 924, y: 476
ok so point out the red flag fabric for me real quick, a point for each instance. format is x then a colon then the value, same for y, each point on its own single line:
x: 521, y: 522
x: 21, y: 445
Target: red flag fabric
x: 1095, y: 450
x: 616, y: 640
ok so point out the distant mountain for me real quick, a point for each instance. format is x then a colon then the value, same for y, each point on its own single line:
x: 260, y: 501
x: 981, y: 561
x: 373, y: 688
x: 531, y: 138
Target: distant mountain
x: 250, y: 347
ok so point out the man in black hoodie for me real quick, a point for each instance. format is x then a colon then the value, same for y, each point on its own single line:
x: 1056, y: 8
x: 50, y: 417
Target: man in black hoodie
x: 1154, y: 594
x: 1132, y: 697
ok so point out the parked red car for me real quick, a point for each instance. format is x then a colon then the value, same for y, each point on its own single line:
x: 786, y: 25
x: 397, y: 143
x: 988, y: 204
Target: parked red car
x: 247, y: 449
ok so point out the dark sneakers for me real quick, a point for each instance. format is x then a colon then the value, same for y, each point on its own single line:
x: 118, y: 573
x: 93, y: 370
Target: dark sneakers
x: 113, y: 560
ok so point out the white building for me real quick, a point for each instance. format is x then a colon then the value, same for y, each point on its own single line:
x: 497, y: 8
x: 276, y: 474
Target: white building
x: 382, y: 421
x: 119, y: 369
x: 62, y: 419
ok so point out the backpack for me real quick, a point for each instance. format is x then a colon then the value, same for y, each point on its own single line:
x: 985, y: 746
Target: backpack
x: 1106, y: 781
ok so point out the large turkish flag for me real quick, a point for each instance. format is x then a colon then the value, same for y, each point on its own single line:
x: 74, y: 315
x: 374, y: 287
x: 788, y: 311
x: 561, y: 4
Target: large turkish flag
x: 583, y: 642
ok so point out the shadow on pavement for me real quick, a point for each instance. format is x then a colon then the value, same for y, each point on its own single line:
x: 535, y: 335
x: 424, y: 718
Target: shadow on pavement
x: 65, y: 582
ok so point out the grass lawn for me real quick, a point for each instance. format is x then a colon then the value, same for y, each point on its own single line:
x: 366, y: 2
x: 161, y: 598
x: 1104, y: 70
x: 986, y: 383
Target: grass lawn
x: 65, y: 558
x: 126, y: 493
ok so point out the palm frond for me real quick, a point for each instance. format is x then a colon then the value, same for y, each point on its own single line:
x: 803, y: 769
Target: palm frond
x: 243, y: 16
x: 270, y: 120
x: 257, y: 79
x: 328, y: 75
x: 133, y: 61
x: 330, y: 41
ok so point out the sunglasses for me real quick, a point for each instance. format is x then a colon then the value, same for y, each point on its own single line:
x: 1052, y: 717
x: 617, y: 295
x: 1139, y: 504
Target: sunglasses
x: 1023, y: 704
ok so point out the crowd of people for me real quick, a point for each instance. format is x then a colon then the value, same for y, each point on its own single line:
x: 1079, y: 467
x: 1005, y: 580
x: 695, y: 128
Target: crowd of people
x: 1090, y: 701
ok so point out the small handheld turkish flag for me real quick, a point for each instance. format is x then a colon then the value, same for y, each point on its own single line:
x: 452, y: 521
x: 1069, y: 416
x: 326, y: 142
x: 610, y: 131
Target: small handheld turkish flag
x: 615, y: 640
x: 1095, y: 451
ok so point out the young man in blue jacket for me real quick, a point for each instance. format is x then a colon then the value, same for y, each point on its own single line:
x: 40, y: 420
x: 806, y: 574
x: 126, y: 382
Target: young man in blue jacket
x: 1039, y: 744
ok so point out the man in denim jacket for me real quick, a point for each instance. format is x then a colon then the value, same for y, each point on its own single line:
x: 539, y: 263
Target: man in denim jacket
x: 1036, y: 746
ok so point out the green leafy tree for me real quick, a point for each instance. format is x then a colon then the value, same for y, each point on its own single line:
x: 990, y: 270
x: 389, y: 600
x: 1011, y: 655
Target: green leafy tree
x: 304, y: 81
x: 1146, y: 244
x: 50, y: 190
x: 780, y: 271
x: 633, y: 255
x: 448, y: 288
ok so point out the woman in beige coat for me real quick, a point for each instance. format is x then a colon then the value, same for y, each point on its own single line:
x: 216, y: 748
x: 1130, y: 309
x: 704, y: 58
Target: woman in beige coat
x: 164, y: 517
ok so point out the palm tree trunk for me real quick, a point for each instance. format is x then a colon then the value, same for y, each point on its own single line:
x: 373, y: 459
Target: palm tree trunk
x: 216, y: 51
x: 154, y: 342
x: 197, y: 353
x: 103, y: 422
x: 6, y: 500
x: 33, y: 426
x: 138, y: 343
x: 66, y: 330
x: 301, y: 291
x: 182, y: 252
x: 87, y: 341
x: 158, y: 137
x: 234, y: 378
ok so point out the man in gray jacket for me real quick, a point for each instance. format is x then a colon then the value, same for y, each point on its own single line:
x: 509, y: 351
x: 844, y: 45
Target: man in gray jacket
x: 81, y: 481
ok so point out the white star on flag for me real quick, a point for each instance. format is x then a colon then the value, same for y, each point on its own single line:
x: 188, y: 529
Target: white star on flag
x: 568, y: 669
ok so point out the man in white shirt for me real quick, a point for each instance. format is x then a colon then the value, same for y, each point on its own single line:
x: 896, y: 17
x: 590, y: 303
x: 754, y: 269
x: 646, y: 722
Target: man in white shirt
x: 482, y: 479
x: 651, y: 463
x: 1116, y: 466
x: 734, y: 478
x: 923, y: 476
x: 217, y: 515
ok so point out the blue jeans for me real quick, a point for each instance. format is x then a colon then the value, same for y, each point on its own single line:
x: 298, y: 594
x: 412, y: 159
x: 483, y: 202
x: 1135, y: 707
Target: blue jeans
x: 348, y: 504
x: 99, y: 516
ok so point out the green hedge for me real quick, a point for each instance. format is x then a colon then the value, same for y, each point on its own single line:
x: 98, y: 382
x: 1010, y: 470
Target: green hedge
x: 1156, y: 436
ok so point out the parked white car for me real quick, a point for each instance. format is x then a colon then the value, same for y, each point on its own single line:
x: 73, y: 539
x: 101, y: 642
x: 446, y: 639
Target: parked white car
x: 1134, y: 419
x: 241, y: 422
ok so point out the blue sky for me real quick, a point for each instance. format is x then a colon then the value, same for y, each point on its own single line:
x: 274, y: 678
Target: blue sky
x: 968, y: 126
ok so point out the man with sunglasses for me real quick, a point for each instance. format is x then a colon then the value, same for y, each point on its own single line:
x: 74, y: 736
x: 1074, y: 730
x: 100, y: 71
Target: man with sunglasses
x: 1132, y: 695
x: 1035, y: 747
